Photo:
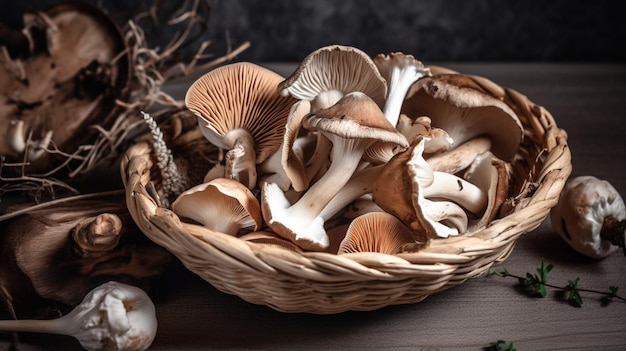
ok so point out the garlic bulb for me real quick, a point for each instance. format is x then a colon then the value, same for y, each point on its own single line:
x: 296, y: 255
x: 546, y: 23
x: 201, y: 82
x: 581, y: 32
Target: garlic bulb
x: 591, y: 216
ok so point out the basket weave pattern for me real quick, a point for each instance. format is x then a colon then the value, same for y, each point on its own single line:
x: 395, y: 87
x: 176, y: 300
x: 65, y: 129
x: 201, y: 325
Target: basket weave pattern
x: 324, y: 283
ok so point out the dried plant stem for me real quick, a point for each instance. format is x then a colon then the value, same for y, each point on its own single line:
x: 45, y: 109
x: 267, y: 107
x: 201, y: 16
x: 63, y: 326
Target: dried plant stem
x: 55, y: 202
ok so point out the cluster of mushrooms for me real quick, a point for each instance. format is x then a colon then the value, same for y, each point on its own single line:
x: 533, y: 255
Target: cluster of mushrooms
x: 349, y: 153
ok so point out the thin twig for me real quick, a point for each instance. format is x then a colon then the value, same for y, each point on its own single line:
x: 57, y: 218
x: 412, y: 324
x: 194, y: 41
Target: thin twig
x: 55, y: 202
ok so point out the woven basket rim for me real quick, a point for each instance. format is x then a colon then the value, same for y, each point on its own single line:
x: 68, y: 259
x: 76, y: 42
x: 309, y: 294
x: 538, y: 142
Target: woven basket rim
x: 319, y: 282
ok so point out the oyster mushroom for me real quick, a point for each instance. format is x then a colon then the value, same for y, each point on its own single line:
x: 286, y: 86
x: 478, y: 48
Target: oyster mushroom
x: 456, y: 104
x: 74, y: 68
x: 400, y: 71
x: 353, y: 124
x: 490, y: 174
x: 324, y: 77
x: 286, y: 166
x: 111, y: 317
x: 590, y: 216
x: 239, y: 109
x: 223, y: 205
x: 427, y: 201
x: 377, y: 232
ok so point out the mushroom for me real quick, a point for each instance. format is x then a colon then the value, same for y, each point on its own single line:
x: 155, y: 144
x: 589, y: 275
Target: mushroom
x: 97, y: 235
x: 490, y: 174
x: 426, y: 201
x: 460, y: 157
x: 400, y: 71
x: 324, y: 77
x: 377, y: 232
x: 112, y: 316
x: 239, y: 109
x: 353, y: 124
x: 223, y: 205
x: 590, y: 216
x: 456, y: 104
x: 71, y: 70
x: 61, y: 252
x: 286, y: 166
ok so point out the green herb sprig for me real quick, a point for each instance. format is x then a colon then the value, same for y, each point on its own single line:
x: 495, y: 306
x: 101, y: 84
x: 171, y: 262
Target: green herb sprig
x: 535, y: 284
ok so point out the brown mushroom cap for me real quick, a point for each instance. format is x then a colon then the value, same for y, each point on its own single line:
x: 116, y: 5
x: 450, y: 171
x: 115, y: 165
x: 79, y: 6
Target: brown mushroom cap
x: 377, y: 232
x: 356, y: 116
x: 241, y: 96
x: 338, y: 68
x: 456, y: 104
x: 223, y: 205
x: 68, y: 80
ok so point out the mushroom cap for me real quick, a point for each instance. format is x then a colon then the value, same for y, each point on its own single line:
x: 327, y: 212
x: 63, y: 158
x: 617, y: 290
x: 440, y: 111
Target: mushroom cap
x: 223, y: 205
x: 356, y: 116
x: 339, y: 68
x: 377, y: 232
x: 241, y: 96
x: 69, y: 79
x: 456, y: 104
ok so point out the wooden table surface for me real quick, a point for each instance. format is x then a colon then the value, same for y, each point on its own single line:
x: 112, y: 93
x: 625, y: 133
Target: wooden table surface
x: 589, y: 102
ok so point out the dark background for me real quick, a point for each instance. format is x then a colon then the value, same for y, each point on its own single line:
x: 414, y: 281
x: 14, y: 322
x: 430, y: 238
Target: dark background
x: 432, y: 30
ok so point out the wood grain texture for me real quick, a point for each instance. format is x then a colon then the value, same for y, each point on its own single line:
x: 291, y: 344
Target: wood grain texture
x: 589, y: 102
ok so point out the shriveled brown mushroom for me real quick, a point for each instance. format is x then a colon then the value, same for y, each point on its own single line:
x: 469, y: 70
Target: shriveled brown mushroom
x: 61, y: 252
x: 74, y: 69
x: 239, y: 109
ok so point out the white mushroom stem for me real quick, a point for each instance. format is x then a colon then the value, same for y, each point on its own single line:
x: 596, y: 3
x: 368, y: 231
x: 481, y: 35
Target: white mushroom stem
x: 450, y: 187
x: 38, y: 148
x: 15, y: 136
x: 303, y: 217
x: 360, y: 184
x: 241, y: 157
x: 446, y: 212
x: 460, y: 157
x: 400, y: 71
x: 113, y: 316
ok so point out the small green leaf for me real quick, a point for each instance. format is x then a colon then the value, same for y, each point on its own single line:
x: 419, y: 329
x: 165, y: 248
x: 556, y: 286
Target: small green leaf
x: 501, y: 345
x: 573, y: 295
x: 613, y: 291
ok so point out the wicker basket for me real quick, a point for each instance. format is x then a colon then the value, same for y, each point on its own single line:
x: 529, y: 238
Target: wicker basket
x: 324, y: 283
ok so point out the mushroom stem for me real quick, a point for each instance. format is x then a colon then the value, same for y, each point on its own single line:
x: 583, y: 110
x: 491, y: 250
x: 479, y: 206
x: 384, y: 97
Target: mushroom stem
x: 338, y: 174
x: 400, y: 71
x: 614, y: 231
x: 241, y: 157
x: 15, y: 136
x: 450, y: 187
x: 360, y: 184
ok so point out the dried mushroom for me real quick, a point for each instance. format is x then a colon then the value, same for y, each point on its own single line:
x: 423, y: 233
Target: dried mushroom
x: 69, y: 68
x: 60, y: 253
